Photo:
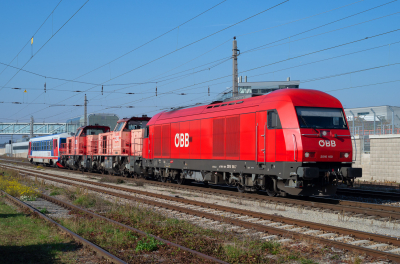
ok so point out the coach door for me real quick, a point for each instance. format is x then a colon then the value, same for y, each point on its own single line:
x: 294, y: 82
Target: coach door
x: 55, y: 148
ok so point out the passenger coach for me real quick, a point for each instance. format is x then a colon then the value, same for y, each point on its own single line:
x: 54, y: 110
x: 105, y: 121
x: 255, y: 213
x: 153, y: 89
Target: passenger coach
x: 46, y: 149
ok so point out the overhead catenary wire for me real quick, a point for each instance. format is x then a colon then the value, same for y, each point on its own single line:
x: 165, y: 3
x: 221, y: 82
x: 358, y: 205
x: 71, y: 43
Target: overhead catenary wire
x: 316, y: 14
x: 192, y: 43
x: 374, y: 19
x: 150, y: 41
x: 169, y: 92
x: 165, y: 78
x: 27, y: 43
x: 44, y: 45
x: 300, y: 19
x: 332, y: 22
x: 299, y: 56
x: 360, y: 86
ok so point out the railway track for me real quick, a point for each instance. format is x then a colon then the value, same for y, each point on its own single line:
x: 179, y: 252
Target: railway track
x: 94, y: 247
x: 267, y: 226
x: 394, y: 195
x: 345, y: 207
x: 76, y: 237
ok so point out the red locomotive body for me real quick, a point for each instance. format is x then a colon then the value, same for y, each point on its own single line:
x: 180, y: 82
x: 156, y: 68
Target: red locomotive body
x: 291, y: 141
x: 105, y: 151
x: 84, y: 144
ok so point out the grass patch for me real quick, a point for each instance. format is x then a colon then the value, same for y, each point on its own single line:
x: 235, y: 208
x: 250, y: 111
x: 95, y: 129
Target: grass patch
x: 24, y: 239
x: 44, y: 211
x: 86, y: 201
x: 55, y: 191
x: 148, y: 244
x: 271, y: 246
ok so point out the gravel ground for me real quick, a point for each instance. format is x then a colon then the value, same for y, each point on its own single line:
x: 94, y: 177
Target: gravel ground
x: 367, y: 225
x: 49, y: 209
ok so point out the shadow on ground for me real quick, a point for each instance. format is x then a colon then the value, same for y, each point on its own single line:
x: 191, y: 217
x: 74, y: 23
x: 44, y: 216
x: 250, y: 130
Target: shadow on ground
x: 43, y: 253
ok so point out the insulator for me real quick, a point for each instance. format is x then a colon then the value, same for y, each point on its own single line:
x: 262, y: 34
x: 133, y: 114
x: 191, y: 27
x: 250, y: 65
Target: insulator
x: 102, y: 90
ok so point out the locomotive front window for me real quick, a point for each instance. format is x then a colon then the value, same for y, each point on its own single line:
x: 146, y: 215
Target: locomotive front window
x: 119, y: 126
x: 95, y: 131
x: 135, y: 125
x: 318, y: 117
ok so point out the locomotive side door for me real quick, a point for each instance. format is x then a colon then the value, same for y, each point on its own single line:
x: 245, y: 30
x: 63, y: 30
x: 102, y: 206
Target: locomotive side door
x: 266, y: 124
x: 261, y: 140
x: 271, y: 136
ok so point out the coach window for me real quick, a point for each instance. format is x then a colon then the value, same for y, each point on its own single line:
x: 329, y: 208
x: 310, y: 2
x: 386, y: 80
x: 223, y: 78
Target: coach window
x: 273, y: 120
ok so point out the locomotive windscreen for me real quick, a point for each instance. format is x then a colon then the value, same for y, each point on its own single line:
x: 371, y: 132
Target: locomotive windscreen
x: 318, y: 117
x: 131, y: 125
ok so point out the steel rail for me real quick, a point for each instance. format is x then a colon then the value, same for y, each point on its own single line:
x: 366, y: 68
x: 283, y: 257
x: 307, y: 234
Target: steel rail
x: 75, y: 236
x: 89, y: 213
x: 268, y: 229
x: 384, y: 211
x: 369, y: 194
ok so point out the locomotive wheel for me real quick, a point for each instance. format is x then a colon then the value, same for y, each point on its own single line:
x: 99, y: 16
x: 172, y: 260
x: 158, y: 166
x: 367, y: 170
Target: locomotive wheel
x: 163, y: 179
x: 180, y: 180
x: 271, y: 193
x: 241, y: 188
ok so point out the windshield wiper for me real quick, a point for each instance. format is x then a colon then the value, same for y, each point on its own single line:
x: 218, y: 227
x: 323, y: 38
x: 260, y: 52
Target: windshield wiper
x: 305, y: 123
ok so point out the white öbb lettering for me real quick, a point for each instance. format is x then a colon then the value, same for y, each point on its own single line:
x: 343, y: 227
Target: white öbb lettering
x: 182, y: 140
x: 327, y: 143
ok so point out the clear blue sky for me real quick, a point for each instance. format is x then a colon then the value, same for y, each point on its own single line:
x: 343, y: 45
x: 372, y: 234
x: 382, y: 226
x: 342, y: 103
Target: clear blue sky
x: 104, y: 30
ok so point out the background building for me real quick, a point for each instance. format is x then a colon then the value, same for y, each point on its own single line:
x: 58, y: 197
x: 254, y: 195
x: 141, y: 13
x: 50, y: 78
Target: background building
x: 96, y: 119
x: 250, y: 89
x: 374, y: 120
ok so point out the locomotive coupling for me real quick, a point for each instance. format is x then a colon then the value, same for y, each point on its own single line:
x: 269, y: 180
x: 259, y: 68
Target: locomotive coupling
x: 308, y: 173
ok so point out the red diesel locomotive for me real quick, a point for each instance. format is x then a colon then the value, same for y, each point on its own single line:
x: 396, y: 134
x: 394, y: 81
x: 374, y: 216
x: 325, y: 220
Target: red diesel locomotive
x: 290, y: 141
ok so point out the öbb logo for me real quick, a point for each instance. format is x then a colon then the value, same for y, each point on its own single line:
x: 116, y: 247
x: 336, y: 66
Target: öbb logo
x: 327, y: 143
x: 182, y: 140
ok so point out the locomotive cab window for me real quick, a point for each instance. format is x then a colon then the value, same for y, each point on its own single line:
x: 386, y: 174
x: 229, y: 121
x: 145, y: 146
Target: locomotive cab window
x: 146, y: 132
x: 119, y: 126
x: 319, y: 117
x: 273, y: 120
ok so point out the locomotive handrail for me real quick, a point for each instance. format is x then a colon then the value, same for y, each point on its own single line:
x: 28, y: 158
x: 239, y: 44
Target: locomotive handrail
x: 318, y: 135
x: 355, y: 147
x: 294, y: 147
x: 257, y: 143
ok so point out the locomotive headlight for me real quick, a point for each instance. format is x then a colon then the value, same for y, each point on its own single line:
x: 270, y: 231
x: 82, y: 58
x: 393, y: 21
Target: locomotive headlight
x: 324, y: 133
x: 344, y: 154
x: 306, y: 154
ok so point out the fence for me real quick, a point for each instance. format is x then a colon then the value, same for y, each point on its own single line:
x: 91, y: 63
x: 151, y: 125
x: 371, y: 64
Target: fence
x: 365, y: 133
